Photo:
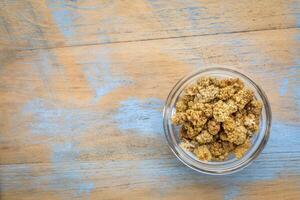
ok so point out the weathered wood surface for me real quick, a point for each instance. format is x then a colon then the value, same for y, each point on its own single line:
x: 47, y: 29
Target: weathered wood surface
x: 31, y: 24
x: 82, y: 121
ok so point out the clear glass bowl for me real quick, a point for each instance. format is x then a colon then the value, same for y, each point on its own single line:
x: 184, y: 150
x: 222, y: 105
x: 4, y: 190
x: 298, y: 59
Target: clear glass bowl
x: 231, y: 165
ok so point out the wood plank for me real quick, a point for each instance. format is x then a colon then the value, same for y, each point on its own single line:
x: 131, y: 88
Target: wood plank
x: 146, y: 179
x: 34, y: 24
x: 106, y: 101
x: 84, y: 122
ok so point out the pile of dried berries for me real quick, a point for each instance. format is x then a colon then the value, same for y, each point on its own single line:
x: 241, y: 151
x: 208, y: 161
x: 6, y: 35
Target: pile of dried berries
x: 217, y: 117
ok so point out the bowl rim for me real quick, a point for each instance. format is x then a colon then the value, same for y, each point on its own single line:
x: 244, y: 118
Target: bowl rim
x: 253, y: 156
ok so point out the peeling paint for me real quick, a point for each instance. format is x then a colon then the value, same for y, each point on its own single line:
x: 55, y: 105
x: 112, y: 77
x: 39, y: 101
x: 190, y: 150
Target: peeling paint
x: 63, y: 16
x: 231, y: 192
x: 141, y: 116
x: 283, y: 86
x: 100, y: 77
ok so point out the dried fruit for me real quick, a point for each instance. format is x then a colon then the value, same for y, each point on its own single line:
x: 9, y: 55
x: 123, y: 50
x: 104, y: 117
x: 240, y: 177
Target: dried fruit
x: 217, y: 117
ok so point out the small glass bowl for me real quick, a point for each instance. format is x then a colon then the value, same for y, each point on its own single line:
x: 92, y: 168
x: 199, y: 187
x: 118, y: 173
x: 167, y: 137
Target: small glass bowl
x: 231, y: 165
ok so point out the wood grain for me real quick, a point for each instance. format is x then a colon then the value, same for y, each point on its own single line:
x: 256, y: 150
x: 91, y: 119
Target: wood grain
x: 159, y: 179
x: 85, y: 118
x: 31, y: 24
x: 83, y: 84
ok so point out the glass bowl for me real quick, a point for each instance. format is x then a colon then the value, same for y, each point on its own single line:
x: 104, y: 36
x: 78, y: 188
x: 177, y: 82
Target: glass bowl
x: 232, y: 165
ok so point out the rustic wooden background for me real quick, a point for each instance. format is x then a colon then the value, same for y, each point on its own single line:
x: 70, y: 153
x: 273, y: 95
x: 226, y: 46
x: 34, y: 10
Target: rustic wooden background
x: 83, y: 84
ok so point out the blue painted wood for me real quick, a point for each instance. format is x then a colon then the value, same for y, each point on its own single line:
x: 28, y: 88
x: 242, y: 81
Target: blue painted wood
x: 85, y: 121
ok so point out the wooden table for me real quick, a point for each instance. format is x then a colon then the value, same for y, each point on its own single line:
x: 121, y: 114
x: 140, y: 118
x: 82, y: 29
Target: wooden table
x: 83, y: 84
